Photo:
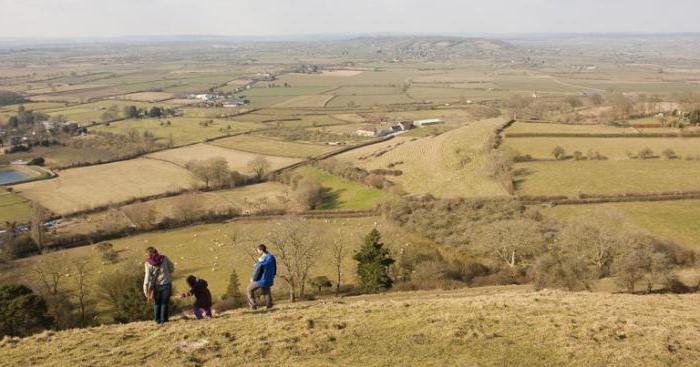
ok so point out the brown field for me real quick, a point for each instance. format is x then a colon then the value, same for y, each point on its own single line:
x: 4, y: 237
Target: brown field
x: 341, y: 73
x: 237, y: 160
x: 275, y: 147
x: 449, y: 165
x: 147, y: 96
x: 305, y: 101
x: 82, y: 188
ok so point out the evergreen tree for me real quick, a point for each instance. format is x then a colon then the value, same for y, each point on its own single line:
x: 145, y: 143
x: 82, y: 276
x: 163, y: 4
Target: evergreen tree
x: 233, y: 290
x: 21, y: 311
x: 373, y: 261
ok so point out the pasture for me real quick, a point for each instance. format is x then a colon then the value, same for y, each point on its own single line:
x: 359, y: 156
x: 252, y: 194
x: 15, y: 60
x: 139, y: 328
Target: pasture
x: 13, y: 208
x: 605, y: 177
x: 343, y: 194
x: 182, y: 130
x: 237, y: 160
x: 271, y: 146
x: 450, y: 165
x: 87, y: 187
x: 613, y: 148
x: 147, y: 96
x: 675, y: 221
x: 305, y: 101
x: 553, y: 128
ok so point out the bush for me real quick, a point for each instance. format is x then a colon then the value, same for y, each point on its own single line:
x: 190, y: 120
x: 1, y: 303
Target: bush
x: 562, y: 272
x: 646, y: 153
x: 559, y: 153
x: 107, y: 252
x: 669, y: 154
x: 502, y: 277
x: 320, y: 282
x: 22, y: 312
x: 122, y: 292
x: 373, y: 261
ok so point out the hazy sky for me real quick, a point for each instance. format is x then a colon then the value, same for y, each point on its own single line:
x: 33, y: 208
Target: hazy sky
x: 87, y: 18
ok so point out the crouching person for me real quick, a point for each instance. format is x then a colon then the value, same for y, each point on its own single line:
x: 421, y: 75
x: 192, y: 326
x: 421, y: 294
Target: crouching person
x: 263, y: 278
x: 202, y: 297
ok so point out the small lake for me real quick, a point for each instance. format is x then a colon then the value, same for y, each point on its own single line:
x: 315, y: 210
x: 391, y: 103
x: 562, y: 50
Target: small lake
x: 10, y: 176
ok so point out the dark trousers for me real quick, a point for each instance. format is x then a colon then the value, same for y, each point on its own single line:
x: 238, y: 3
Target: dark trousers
x: 252, y: 287
x: 198, y: 312
x: 161, y: 300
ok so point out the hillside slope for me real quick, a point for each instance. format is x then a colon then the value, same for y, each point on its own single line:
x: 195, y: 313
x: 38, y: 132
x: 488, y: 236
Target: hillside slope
x: 491, y: 326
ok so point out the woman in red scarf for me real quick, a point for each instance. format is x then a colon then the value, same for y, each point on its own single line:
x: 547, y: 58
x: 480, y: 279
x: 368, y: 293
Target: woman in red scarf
x: 157, y: 283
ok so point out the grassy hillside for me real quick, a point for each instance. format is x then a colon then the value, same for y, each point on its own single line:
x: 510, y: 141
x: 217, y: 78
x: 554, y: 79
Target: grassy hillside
x: 477, y: 327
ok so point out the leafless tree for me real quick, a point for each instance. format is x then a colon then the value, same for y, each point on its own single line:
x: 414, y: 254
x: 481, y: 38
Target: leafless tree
x: 82, y: 271
x: 339, y: 252
x: 511, y: 242
x: 259, y: 166
x: 39, y: 216
x: 297, y: 250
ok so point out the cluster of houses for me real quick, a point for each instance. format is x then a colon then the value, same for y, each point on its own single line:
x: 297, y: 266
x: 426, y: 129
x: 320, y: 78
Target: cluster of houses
x: 401, y: 126
x: 223, y: 100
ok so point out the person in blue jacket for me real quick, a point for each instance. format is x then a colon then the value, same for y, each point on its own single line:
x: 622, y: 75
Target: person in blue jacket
x: 263, y: 278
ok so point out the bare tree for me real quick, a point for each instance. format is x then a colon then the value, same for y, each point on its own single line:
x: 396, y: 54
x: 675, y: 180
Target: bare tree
x: 511, y: 242
x: 338, y: 254
x: 259, y: 166
x: 82, y: 271
x: 50, y: 276
x: 297, y: 250
x: 39, y: 216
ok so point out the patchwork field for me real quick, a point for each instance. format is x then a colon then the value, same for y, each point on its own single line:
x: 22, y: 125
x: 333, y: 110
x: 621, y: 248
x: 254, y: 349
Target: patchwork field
x: 237, y: 160
x: 147, y: 96
x: 183, y: 130
x: 449, y: 165
x: 672, y: 220
x: 606, y: 177
x: 82, y: 188
x: 344, y: 194
x: 613, y: 148
x: 270, y: 146
x: 305, y: 101
x: 547, y: 128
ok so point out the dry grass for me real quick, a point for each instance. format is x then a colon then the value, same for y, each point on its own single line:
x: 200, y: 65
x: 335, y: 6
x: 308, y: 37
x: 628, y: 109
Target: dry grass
x: 305, y: 101
x: 237, y: 160
x: 269, y: 146
x: 147, y: 96
x: 85, y: 187
x: 480, y: 327
x: 449, y: 165
x: 545, y: 128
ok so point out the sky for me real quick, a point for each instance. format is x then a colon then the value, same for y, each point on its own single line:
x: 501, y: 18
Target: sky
x: 113, y: 18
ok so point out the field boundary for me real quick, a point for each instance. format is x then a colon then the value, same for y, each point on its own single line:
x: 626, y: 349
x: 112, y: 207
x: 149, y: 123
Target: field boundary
x: 601, y: 199
x: 584, y: 135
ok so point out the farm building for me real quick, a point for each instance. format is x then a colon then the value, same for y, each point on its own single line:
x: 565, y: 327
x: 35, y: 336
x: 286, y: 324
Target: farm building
x: 371, y: 131
x: 427, y: 122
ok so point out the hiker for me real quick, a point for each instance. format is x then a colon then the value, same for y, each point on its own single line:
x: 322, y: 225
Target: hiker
x: 202, y: 297
x: 263, y: 278
x: 157, y: 283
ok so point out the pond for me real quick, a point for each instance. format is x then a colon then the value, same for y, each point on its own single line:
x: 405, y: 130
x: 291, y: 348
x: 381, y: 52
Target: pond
x: 10, y: 176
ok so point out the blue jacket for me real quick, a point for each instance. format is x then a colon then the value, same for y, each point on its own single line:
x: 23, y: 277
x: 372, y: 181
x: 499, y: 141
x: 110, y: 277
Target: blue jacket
x: 265, y: 271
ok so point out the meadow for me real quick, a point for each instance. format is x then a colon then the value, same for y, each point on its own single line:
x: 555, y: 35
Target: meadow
x: 182, y: 130
x: 606, y: 177
x: 671, y: 220
x: 552, y: 128
x: 86, y: 187
x: 449, y: 165
x: 13, y: 208
x: 612, y: 148
x: 343, y: 194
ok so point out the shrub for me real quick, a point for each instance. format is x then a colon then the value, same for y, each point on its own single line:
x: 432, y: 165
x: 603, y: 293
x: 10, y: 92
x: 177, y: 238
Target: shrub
x: 107, y: 252
x: 646, y: 153
x: 559, y: 153
x: 22, y: 312
x: 122, y: 292
x: 320, y: 282
x: 562, y: 272
x: 232, y: 298
x: 669, y: 154
x: 578, y: 156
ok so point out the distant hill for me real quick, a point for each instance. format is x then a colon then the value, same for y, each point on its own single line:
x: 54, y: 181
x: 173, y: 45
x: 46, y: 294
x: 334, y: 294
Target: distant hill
x: 500, y: 326
x: 425, y: 47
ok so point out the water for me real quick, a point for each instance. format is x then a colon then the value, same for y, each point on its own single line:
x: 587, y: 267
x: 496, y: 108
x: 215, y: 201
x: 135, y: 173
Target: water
x: 9, y: 176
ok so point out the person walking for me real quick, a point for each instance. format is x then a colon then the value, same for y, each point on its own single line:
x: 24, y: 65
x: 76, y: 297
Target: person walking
x: 202, y: 296
x: 263, y: 278
x: 157, y: 283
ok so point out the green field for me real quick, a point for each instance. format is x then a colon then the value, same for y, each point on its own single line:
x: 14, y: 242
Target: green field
x: 13, y: 208
x: 344, y: 194
x: 182, y: 129
x: 672, y: 220
x: 547, y: 128
x: 613, y: 148
x: 606, y: 177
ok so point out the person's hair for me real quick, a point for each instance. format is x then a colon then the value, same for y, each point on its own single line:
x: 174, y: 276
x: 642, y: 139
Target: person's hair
x: 262, y: 247
x: 151, y: 250
x: 191, y: 280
